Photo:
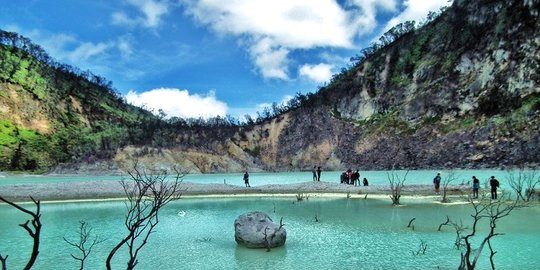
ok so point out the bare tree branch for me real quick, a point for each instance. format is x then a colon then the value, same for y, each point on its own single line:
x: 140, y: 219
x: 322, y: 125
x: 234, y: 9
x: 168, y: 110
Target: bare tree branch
x: 524, y: 183
x: 3, y: 261
x: 493, y: 211
x: 146, y: 195
x: 444, y: 223
x: 449, y: 178
x: 34, y: 231
x: 396, y: 184
x: 84, y: 245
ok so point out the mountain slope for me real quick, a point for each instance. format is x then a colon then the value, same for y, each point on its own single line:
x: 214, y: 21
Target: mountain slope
x: 462, y: 91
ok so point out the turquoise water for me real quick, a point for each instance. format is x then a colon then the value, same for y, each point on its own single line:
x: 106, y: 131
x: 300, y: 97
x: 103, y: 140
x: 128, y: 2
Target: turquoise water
x: 265, y: 178
x: 350, y: 234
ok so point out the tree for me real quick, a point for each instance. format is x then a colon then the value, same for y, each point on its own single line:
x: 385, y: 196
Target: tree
x: 84, y: 245
x: 524, y: 183
x: 146, y: 195
x: 446, y: 181
x: 396, y: 184
x: 34, y: 231
x: 493, y: 211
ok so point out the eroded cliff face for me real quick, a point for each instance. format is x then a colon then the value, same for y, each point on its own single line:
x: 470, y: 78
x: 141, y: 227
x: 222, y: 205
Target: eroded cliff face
x: 463, y: 91
x: 478, y: 57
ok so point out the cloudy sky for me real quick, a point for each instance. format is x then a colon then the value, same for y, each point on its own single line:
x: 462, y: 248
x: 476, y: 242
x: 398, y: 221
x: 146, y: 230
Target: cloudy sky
x: 209, y: 57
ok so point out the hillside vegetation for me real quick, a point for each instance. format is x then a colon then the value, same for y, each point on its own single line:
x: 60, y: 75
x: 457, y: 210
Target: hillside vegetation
x: 461, y: 91
x: 52, y: 113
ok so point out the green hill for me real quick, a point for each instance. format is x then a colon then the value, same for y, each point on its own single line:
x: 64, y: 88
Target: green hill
x: 52, y: 113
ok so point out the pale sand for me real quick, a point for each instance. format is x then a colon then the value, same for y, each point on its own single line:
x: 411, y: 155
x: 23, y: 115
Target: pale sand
x: 101, y: 190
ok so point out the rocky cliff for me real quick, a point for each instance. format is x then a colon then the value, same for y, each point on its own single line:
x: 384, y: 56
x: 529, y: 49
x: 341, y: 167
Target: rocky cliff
x: 462, y: 91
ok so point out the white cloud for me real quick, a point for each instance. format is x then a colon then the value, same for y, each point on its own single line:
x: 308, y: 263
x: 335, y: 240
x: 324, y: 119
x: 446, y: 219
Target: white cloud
x: 86, y: 50
x: 416, y: 10
x: 151, y: 13
x: 272, y: 29
x: 180, y: 103
x: 121, y: 18
x: 124, y: 45
x: 318, y: 73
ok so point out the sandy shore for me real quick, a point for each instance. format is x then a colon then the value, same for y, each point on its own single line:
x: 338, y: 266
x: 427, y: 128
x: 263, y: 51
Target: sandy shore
x: 99, y: 190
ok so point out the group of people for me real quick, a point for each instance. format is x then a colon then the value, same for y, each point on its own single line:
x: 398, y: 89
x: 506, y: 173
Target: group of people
x: 352, y: 178
x: 493, y: 184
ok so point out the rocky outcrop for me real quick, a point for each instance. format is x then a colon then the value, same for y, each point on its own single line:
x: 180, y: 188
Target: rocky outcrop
x: 257, y: 230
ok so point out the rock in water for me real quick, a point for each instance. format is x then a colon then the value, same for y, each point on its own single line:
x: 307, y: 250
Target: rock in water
x: 249, y: 230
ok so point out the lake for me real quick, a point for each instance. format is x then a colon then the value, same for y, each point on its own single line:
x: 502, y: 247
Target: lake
x: 198, y: 233
x: 265, y: 178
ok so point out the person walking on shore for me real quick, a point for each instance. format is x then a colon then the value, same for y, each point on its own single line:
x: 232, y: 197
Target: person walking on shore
x: 246, y: 179
x: 437, y: 182
x: 494, y: 183
x: 314, y: 173
x: 319, y: 173
x: 475, y: 187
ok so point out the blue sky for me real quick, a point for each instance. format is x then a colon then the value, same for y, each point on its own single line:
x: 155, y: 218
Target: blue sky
x: 209, y: 57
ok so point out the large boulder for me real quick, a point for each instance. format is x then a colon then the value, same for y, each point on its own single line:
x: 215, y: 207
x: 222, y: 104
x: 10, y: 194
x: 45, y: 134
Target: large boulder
x: 257, y: 230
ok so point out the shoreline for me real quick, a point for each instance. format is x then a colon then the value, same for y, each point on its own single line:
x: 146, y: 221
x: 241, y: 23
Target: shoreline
x: 108, y: 191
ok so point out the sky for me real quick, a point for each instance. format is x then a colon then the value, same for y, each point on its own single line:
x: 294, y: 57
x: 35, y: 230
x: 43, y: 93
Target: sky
x: 203, y: 58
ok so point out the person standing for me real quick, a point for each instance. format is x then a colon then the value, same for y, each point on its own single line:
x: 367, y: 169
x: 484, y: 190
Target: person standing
x: 319, y: 173
x: 437, y: 182
x: 246, y: 179
x: 314, y: 173
x: 494, y: 183
x: 356, y: 178
x: 475, y: 187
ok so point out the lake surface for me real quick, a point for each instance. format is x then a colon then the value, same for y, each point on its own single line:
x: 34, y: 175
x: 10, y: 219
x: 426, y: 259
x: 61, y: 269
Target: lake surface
x: 265, y: 178
x: 198, y: 233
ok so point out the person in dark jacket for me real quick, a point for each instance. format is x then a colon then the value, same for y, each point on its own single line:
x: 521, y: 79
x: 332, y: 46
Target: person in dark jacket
x: 437, y: 182
x: 475, y: 187
x: 246, y: 179
x: 494, y: 183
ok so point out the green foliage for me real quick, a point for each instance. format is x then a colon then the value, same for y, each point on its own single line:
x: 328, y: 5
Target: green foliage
x: 382, y: 123
x: 7, y: 133
x: 255, y: 152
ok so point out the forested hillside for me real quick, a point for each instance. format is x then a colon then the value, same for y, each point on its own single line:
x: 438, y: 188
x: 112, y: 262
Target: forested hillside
x: 52, y: 113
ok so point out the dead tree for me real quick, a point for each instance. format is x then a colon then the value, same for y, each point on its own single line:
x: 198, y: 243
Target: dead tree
x: 459, y: 229
x: 146, y: 195
x: 421, y: 248
x: 410, y: 223
x: 34, y: 230
x: 268, y: 241
x: 84, y: 245
x: 446, y: 181
x: 444, y: 223
x: 524, y: 183
x: 396, y: 185
x: 493, y: 211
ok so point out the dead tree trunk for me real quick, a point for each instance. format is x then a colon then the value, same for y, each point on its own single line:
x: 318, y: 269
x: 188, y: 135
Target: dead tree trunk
x: 493, y: 211
x: 146, y: 195
x: 524, y: 183
x: 34, y: 230
x: 396, y: 184
x: 447, y: 180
